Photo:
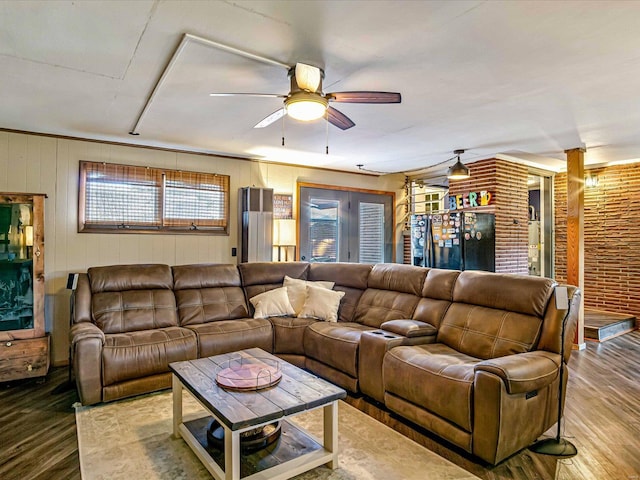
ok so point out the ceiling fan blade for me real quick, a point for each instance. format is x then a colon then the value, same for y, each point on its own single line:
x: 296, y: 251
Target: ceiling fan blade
x: 339, y: 119
x: 267, y: 95
x: 275, y: 116
x: 308, y: 77
x: 365, y: 97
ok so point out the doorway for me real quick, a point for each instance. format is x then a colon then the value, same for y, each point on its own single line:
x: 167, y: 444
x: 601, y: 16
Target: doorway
x: 540, y: 252
x: 341, y: 225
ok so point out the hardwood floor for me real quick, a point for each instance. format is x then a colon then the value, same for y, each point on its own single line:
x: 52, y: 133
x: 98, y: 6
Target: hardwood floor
x: 38, y: 430
x: 602, y: 418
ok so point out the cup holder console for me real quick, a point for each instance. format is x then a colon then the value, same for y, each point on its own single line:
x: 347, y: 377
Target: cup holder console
x: 383, y: 334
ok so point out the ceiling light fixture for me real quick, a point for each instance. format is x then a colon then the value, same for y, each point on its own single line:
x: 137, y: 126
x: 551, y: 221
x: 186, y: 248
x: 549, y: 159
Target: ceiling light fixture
x: 306, y: 106
x: 458, y: 171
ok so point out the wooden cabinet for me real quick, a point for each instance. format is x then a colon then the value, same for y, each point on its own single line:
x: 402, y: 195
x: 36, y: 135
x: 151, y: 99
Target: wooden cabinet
x: 24, y: 358
x: 24, y: 345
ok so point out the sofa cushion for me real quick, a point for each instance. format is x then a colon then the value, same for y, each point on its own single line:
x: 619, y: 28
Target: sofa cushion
x: 134, y: 310
x: 378, y: 306
x: 226, y: 336
x: 132, y: 355
x: 393, y: 292
x: 431, y: 311
x: 435, y: 377
x: 350, y: 278
x: 335, y: 344
x: 439, y: 284
x: 397, y: 277
x: 487, y: 332
x: 495, y: 314
x: 210, y: 304
x: 187, y: 277
x: 207, y: 293
x: 259, y: 277
x: 352, y: 275
x: 437, y: 295
x: 503, y: 291
x: 288, y: 334
x: 117, y: 278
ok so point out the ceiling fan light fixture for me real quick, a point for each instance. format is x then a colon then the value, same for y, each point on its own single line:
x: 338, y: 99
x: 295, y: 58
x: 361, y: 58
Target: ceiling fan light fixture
x: 458, y: 171
x: 306, y: 106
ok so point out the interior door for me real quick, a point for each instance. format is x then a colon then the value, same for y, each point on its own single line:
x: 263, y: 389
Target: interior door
x: 345, y: 226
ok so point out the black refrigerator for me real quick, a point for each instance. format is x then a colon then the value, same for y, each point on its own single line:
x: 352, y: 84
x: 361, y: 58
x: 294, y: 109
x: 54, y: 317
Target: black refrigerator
x: 454, y: 240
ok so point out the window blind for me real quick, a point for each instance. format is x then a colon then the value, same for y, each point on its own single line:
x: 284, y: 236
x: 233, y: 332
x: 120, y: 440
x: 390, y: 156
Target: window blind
x: 196, y: 199
x: 134, y: 198
x: 323, y: 230
x: 371, y: 232
x: 122, y: 195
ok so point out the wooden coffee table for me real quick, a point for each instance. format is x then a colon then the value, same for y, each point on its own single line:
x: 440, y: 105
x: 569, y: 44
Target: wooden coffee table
x: 296, y: 451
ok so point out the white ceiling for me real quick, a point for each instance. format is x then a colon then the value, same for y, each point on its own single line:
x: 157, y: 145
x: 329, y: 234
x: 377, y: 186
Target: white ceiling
x: 523, y: 80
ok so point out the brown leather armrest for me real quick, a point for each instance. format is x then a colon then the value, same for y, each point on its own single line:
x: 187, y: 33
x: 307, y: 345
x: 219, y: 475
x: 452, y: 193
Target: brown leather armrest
x: 83, y: 330
x: 87, y: 341
x: 81, y: 297
x: 409, y: 328
x: 524, y: 372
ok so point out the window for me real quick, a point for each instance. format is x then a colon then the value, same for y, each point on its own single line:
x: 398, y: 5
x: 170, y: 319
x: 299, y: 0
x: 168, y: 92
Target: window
x: 341, y: 225
x: 425, y: 199
x: 122, y: 198
x: 324, y: 234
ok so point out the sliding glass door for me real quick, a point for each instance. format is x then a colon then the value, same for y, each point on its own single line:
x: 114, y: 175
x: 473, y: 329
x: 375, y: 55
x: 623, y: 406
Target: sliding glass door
x: 345, y: 226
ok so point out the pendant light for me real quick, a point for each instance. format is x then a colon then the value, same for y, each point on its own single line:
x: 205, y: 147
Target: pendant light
x: 458, y: 171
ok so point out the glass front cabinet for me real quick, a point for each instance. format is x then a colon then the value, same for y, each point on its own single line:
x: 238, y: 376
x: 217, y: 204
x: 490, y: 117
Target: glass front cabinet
x: 24, y: 345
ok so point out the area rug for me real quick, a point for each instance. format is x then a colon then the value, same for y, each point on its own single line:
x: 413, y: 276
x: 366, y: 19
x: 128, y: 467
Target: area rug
x: 131, y: 439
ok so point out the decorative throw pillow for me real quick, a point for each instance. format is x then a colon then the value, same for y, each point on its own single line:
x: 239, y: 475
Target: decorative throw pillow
x: 297, y: 290
x: 322, y: 304
x: 274, y: 303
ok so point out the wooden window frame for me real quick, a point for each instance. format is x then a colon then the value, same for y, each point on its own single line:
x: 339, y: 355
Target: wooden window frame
x: 161, y: 224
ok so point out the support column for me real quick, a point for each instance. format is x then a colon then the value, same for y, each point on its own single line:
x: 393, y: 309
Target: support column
x: 575, y: 231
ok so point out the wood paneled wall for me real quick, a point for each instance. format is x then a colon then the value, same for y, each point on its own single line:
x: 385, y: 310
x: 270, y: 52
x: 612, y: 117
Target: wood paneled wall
x: 508, y: 182
x: 611, y: 238
x: 42, y: 164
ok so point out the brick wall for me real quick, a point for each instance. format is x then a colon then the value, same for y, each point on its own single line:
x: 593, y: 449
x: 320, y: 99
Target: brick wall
x: 508, y: 182
x: 611, y: 238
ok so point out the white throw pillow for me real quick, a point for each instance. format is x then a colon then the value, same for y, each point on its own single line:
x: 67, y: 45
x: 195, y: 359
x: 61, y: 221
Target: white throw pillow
x: 274, y: 303
x: 322, y: 304
x: 297, y: 290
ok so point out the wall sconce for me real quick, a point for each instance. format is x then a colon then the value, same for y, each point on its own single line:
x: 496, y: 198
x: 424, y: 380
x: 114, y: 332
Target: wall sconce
x: 284, y: 235
x: 591, y: 181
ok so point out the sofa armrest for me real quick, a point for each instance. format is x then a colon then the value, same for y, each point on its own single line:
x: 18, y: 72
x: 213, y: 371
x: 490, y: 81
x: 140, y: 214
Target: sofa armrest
x: 81, y: 298
x: 86, y: 350
x: 409, y: 328
x: 523, y: 372
x: 81, y: 331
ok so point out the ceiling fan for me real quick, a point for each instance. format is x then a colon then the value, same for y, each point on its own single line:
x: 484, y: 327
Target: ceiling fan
x: 306, y: 101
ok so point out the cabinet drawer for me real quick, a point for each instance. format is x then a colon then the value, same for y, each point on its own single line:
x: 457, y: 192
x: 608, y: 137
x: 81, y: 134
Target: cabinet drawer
x: 24, y: 358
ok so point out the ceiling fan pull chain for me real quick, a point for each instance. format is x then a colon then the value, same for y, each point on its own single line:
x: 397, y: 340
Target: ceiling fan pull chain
x: 327, y: 123
x: 283, y: 130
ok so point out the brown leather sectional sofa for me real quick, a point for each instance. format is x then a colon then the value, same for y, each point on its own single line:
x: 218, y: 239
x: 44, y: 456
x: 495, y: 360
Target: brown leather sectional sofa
x: 471, y: 356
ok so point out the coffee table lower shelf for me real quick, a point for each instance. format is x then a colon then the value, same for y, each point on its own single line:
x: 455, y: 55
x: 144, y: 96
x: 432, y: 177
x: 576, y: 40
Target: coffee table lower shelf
x: 295, y: 452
